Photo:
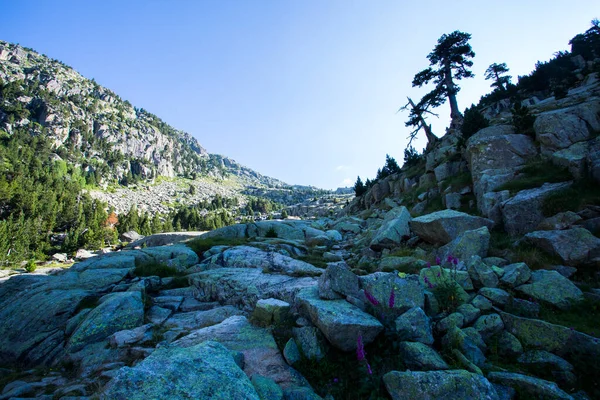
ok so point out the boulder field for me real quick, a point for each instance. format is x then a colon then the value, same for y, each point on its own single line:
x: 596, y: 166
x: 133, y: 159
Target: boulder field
x: 256, y: 320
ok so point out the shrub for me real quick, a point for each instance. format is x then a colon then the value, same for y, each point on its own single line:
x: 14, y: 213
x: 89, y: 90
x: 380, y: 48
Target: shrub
x: 179, y: 281
x: 473, y: 122
x: 30, y: 266
x: 154, y: 269
x: 582, y: 193
x: 411, y: 157
x: 534, y: 257
x: 560, y: 92
x: 271, y: 233
x: 523, y: 120
x: 446, y: 293
x: 535, y: 173
x: 200, y: 245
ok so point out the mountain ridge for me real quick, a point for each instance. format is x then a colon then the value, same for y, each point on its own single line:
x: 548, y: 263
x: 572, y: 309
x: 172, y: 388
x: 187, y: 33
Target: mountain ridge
x: 120, y: 141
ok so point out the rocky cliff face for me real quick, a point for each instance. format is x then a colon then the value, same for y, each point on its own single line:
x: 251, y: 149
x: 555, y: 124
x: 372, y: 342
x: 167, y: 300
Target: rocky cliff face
x: 94, y: 128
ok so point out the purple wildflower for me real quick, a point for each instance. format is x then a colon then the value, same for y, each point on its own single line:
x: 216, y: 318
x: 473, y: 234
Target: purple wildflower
x: 335, y: 380
x: 371, y: 298
x: 369, y: 369
x: 428, y: 265
x: 360, y: 349
x: 437, y: 261
x: 438, y: 274
x: 427, y: 282
x: 450, y: 258
x: 455, y: 260
x: 392, y: 299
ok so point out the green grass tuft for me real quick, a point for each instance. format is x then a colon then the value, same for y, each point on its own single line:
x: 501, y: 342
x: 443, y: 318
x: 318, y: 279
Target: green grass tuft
x: 434, y: 204
x: 200, y: 245
x: 315, y: 259
x: 582, y: 193
x: 534, y: 257
x: 402, y: 252
x: 582, y: 317
x: 271, y: 233
x: 534, y: 174
x: 457, y: 182
x: 155, y: 269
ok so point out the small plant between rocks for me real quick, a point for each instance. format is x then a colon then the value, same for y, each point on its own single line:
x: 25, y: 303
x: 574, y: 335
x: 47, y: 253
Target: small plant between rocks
x: 155, y: 269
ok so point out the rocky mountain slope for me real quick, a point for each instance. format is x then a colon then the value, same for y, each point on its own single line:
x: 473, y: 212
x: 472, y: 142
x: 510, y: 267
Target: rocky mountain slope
x: 94, y: 128
x: 472, y: 274
x: 401, y: 296
x: 72, y: 150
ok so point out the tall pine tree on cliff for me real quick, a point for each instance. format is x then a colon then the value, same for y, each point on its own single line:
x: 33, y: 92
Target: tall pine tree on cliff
x: 449, y: 62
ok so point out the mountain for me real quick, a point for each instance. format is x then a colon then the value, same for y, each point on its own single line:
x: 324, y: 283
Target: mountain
x: 79, y: 166
x: 92, y: 127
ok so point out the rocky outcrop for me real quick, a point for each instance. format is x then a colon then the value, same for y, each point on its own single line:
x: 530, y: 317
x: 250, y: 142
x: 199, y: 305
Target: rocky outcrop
x: 468, y: 244
x: 270, y: 262
x: 444, y: 226
x: 338, y: 282
x: 243, y: 287
x: 341, y: 322
x: 559, y: 129
x: 443, y: 385
x: 116, y: 312
x: 523, y: 212
x: 260, y: 352
x: 573, y: 246
x: 494, y: 154
x: 414, y: 325
x: 394, y: 229
x: 206, y: 370
x: 553, y: 288
x: 534, y: 387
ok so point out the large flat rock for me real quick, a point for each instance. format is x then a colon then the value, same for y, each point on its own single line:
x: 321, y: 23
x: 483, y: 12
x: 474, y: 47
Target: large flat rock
x: 394, y: 229
x: 117, y: 311
x: 579, y: 349
x: 273, y: 262
x: 439, y: 385
x: 523, y: 212
x: 574, y: 246
x: 33, y: 320
x: 243, y: 287
x: 204, y: 371
x: 553, y: 288
x: 559, y: 129
x: 261, y: 354
x: 442, y: 227
x: 341, y: 322
x: 530, y: 386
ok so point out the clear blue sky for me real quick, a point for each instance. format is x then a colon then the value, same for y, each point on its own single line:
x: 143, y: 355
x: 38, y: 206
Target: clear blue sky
x: 302, y: 90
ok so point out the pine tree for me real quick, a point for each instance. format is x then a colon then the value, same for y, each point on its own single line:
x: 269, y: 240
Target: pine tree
x: 411, y: 157
x: 391, y: 165
x: 359, y: 187
x: 473, y: 122
x: 451, y: 57
x: 495, y: 72
x: 416, y: 120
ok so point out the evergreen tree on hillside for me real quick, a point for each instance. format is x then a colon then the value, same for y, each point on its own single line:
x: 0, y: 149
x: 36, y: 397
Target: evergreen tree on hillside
x: 473, y: 122
x: 451, y: 59
x: 587, y: 44
x: 416, y: 119
x: 391, y: 165
x: 496, y: 72
x: 411, y: 157
x: 359, y: 187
